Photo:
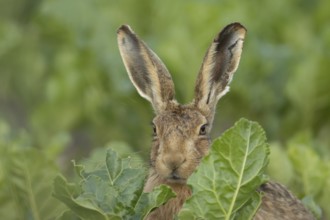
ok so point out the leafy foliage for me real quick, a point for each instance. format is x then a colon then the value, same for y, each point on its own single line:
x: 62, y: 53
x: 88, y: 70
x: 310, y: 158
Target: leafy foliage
x: 307, y: 173
x: 113, y: 191
x: 224, y: 185
x: 26, y: 175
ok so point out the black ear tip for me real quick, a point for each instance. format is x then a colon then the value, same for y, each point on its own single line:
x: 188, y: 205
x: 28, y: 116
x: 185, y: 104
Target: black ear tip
x: 233, y: 29
x: 124, y: 28
x: 125, y: 33
x: 235, y: 26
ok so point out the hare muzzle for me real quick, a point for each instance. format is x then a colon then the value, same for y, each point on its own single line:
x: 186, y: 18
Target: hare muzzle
x: 173, y: 166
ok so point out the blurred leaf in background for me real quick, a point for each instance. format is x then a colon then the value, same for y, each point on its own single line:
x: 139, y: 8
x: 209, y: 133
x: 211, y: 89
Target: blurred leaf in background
x: 26, y: 177
x: 306, y: 172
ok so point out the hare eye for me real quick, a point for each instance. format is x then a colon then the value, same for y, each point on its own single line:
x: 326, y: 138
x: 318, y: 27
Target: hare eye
x: 154, y: 129
x: 202, y: 130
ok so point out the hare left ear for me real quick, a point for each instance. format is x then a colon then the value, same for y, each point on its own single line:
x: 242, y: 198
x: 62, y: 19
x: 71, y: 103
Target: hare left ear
x: 147, y: 72
x: 218, y: 67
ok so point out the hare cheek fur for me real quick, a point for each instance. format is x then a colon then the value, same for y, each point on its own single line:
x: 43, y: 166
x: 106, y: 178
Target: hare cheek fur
x: 181, y: 132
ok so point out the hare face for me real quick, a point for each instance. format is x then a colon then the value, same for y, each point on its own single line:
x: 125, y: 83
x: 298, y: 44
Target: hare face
x: 181, y: 139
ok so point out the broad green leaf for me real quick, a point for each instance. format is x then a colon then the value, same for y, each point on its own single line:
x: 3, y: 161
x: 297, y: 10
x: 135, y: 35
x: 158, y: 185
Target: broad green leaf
x: 112, y: 190
x: 250, y: 208
x: 67, y: 193
x: 68, y: 215
x: 115, y: 166
x: 96, y: 160
x: 224, y: 185
x: 148, y: 201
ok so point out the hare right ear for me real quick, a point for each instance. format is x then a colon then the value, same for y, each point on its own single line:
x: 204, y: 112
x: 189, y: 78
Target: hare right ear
x: 146, y: 71
x: 219, y: 64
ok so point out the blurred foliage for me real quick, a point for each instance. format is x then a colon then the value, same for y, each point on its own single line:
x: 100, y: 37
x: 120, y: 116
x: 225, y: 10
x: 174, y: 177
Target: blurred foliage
x: 298, y: 165
x: 26, y: 177
x: 61, y: 71
x: 62, y: 81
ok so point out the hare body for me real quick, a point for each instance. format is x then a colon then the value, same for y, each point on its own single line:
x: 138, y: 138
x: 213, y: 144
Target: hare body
x: 279, y: 203
x: 181, y: 132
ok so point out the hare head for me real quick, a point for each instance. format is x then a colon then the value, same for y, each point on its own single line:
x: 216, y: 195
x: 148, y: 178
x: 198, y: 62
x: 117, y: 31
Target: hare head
x: 181, y: 132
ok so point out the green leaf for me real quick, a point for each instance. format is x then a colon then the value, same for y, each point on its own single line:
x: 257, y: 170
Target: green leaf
x: 67, y: 192
x: 112, y: 190
x: 250, y: 208
x: 154, y: 199
x: 68, y: 214
x: 224, y: 185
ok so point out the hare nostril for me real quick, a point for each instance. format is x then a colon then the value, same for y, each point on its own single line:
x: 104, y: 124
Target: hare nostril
x: 175, y: 176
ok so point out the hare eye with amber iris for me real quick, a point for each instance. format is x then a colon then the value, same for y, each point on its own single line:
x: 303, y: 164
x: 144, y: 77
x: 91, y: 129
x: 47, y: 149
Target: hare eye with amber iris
x: 202, y: 130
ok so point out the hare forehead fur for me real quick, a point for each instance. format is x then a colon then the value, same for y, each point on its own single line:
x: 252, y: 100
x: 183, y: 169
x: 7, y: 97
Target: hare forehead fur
x: 184, y: 120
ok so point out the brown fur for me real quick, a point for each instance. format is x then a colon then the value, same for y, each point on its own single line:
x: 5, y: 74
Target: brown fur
x: 181, y: 132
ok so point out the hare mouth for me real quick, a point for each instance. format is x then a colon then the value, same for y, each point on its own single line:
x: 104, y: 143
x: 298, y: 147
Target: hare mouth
x: 175, y: 178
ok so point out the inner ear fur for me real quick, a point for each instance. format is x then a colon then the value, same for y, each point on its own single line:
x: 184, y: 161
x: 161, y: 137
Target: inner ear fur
x: 219, y: 65
x: 147, y: 72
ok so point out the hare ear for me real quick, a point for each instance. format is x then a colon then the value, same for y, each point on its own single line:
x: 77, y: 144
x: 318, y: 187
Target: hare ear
x: 219, y: 64
x: 146, y: 71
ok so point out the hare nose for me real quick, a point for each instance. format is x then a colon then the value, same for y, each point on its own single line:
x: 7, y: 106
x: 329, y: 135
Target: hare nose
x: 173, y: 162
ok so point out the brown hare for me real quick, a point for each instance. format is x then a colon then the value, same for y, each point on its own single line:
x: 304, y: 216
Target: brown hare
x: 181, y: 132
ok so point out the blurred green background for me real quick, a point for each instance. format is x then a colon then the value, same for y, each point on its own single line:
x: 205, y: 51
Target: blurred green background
x: 64, y: 91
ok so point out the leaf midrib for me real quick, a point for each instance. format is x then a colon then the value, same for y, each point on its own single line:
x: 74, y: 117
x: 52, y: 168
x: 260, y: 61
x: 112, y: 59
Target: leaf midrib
x: 240, y: 177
